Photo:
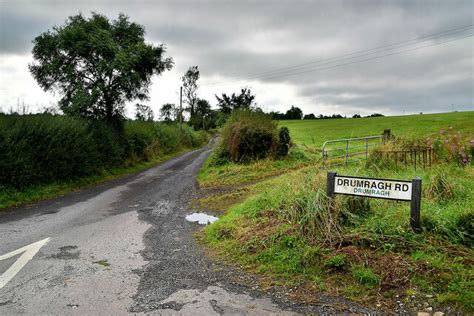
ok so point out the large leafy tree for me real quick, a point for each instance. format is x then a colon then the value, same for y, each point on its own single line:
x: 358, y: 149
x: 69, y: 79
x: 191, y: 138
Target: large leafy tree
x: 97, y: 65
x: 244, y: 100
x: 295, y: 113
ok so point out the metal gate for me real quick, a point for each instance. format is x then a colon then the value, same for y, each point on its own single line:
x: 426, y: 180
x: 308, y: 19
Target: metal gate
x: 336, y: 154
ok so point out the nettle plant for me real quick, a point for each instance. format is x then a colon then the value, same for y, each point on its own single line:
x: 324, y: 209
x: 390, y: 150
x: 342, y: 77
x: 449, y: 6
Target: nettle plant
x: 449, y: 146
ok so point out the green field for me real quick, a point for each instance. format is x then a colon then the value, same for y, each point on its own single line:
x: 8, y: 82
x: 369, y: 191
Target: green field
x: 276, y: 221
x: 316, y: 132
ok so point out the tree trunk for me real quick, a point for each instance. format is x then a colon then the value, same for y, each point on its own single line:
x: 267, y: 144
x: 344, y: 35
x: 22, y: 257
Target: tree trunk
x: 109, y: 109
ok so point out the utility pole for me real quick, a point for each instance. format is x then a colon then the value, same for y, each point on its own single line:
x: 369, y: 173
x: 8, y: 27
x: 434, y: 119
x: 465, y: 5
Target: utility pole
x: 181, y: 107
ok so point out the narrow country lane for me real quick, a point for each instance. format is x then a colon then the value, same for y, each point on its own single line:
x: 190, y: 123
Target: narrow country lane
x: 122, y: 247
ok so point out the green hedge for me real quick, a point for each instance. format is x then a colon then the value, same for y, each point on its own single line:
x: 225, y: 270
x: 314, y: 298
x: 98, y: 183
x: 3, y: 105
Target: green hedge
x: 40, y: 149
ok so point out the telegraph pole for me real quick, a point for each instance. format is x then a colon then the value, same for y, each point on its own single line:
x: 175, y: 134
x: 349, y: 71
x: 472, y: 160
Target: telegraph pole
x: 181, y: 107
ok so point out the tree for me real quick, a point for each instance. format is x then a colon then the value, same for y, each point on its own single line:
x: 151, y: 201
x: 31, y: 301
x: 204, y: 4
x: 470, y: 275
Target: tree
x: 190, y: 87
x: 203, y: 110
x: 379, y: 115
x: 168, y: 112
x: 245, y: 100
x: 97, y: 65
x: 143, y: 112
x: 310, y: 116
x: 276, y: 115
x: 203, y: 107
x: 294, y: 113
x: 225, y: 103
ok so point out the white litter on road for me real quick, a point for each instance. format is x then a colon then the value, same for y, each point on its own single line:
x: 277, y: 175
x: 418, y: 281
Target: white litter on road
x: 201, y: 218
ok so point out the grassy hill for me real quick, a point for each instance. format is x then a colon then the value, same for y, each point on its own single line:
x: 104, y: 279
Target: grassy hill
x: 316, y: 132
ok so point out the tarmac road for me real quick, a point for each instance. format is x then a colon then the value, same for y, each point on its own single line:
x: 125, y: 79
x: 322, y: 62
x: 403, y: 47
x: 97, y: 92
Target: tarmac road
x: 124, y: 247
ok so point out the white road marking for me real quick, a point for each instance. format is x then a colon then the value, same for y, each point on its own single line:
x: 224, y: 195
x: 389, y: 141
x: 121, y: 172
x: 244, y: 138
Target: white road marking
x: 28, y: 253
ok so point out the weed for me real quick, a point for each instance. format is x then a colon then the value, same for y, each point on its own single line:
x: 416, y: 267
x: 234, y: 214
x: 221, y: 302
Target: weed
x: 440, y: 187
x: 103, y: 263
x: 365, y: 276
x: 465, y: 225
x: 335, y: 262
x: 224, y: 233
x: 355, y: 210
x: 450, y: 146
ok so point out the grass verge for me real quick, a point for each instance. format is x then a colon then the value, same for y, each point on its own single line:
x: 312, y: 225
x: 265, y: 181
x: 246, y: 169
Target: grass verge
x: 215, y: 175
x: 289, y: 232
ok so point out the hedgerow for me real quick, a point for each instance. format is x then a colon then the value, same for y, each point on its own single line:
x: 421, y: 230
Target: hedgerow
x: 42, y: 149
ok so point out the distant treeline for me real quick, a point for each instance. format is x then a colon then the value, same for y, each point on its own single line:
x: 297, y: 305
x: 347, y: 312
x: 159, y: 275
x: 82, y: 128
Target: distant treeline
x: 44, y: 148
x: 295, y: 113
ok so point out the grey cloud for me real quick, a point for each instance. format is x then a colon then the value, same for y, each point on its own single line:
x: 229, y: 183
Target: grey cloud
x: 236, y: 39
x: 17, y: 33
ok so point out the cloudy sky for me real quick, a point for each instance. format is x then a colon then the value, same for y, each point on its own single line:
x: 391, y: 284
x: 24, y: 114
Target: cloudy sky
x: 391, y: 57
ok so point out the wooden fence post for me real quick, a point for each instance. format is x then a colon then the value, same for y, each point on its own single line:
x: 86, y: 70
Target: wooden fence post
x: 387, y: 135
x: 415, y: 204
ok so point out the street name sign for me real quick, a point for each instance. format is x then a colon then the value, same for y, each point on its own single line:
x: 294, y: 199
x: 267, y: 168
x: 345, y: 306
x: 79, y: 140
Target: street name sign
x: 401, y: 190
x: 377, y: 188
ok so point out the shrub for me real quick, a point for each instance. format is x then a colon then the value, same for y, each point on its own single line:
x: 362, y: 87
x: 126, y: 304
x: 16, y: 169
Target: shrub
x: 283, y: 142
x: 248, y: 136
x: 139, y: 136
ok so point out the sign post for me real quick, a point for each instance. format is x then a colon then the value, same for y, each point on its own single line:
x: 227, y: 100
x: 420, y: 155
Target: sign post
x: 415, y: 204
x: 331, y: 183
x: 400, y: 190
